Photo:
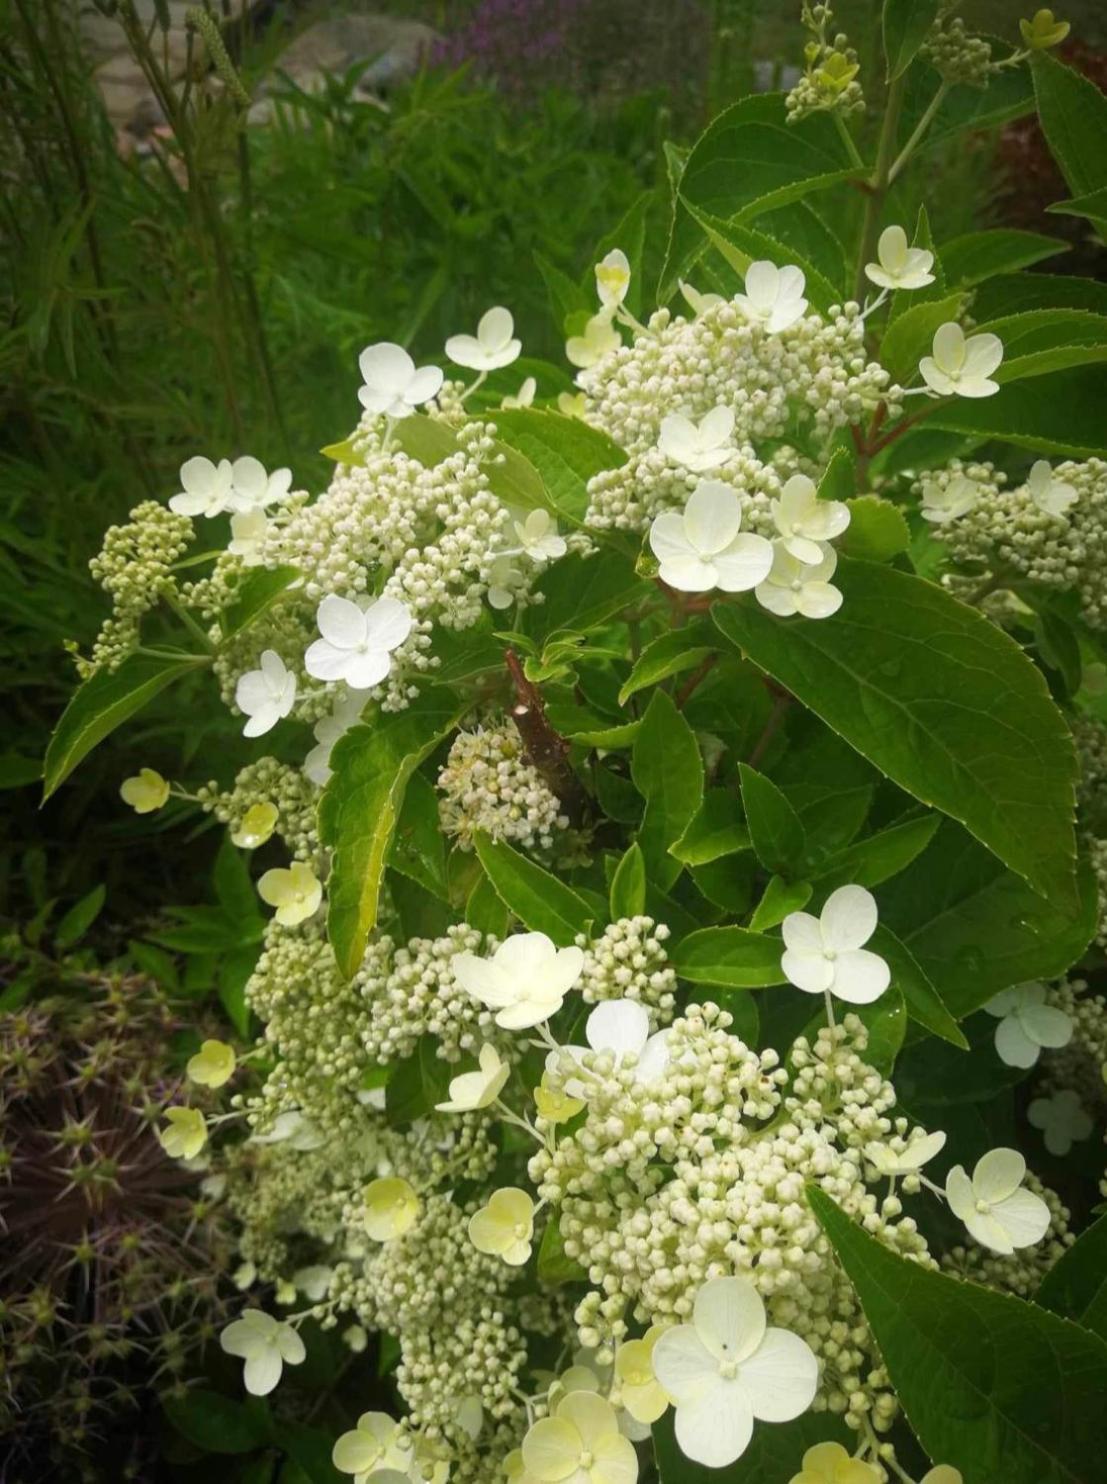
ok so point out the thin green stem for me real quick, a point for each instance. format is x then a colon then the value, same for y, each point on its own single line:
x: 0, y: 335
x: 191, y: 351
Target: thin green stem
x: 847, y: 139
x: 920, y: 129
x: 195, y: 629
x: 878, y: 185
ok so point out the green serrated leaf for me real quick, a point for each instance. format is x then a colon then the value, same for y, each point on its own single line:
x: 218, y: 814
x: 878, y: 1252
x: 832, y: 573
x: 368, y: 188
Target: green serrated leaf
x: 371, y: 766
x: 924, y: 1003
x: 905, y: 24
x: 540, y: 901
x: 776, y: 831
x: 628, y: 885
x: 1076, y: 1285
x: 732, y: 957
x: 667, y: 770
x: 877, y: 530
x: 105, y: 701
x: 256, y: 593
x: 717, y: 829
x: 924, y: 686
x: 991, y: 1384
x: 669, y: 654
x: 875, y: 859
x: 778, y: 900
x: 564, y: 451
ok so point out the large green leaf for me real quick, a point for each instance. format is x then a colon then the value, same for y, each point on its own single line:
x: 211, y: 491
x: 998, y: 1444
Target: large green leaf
x: 668, y: 772
x: 582, y: 592
x: 975, y: 927
x: 741, y: 244
x: 773, y: 1456
x: 750, y: 160
x: 565, y: 451
x: 216, y: 1423
x: 1038, y: 341
x: 1063, y: 418
x: 105, y: 701
x: 1073, y: 114
x: 776, y: 830
x: 731, y: 957
x: 923, y: 1001
x: 360, y: 806
x: 538, y: 899
x: 972, y: 258
x: 669, y: 654
x: 992, y: 1385
x: 870, y: 861
x: 1076, y: 1285
x: 940, y: 700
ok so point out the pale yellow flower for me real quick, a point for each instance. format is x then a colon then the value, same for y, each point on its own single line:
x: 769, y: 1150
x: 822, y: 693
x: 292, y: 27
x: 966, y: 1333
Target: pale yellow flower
x: 829, y: 1463
x: 186, y: 1135
x: 391, y: 1207
x: 145, y: 792
x: 257, y: 824
x: 213, y: 1064
x: 640, y: 1391
x: 295, y: 892
x: 505, y: 1226
x: 556, y: 1107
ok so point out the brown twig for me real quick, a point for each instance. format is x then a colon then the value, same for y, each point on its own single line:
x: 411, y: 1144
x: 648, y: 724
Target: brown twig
x: 781, y: 701
x: 700, y: 673
x: 545, y: 747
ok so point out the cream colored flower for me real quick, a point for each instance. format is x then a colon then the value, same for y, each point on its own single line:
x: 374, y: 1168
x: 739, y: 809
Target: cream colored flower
x: 921, y: 1149
x: 145, y: 792
x: 640, y: 1392
x: 256, y: 826
x: 827, y: 953
x: 580, y: 1444
x: 505, y: 1226
x: 613, y: 278
x: 993, y: 1206
x: 829, y: 1463
x: 1062, y: 1119
x: 523, y: 398
x: 491, y: 348
x: 266, y: 1345
x: 941, y: 505
x: 805, y: 522
x: 599, y: 339
x: 699, y: 446
x: 773, y: 297
x: 391, y: 1207
x: 1052, y: 496
x: 962, y: 368
x: 571, y: 404
x: 377, y: 1442
x: 295, y: 892
x: 186, y: 1135
x: 478, y: 1089
x: 556, y: 1107
x: 899, y: 266
x: 702, y: 547
x: 793, y: 587
x: 525, y: 981
x: 213, y: 1064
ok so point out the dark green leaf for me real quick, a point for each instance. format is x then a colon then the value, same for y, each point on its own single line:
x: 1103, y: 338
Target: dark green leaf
x: 485, y: 909
x: 256, y: 593
x: 1063, y: 418
x: 541, y: 901
x: 740, y: 245
x: 911, y: 335
x: 628, y: 885
x: 418, y: 1083
x: 234, y: 888
x: 80, y: 917
x: 877, y: 531
x: 923, y: 1001
x: 582, y: 592
x: 992, y: 1385
x: 217, y: 1423
x: 361, y: 804
x: 718, y: 829
x: 1073, y: 114
x: 905, y: 25
x: 418, y: 846
x: 731, y: 957
x: 773, y: 1456
x: 873, y: 860
x: 1076, y: 1285
x: 554, y: 1267
x: 668, y: 773
x: 970, y: 259
x: 102, y: 703
x: 672, y: 652
x: 565, y: 451
x: 780, y: 898
x: 926, y: 689
x: 776, y: 832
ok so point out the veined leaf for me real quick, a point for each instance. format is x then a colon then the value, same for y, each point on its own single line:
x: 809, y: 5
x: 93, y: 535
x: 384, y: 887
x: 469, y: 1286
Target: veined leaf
x: 668, y: 772
x: 924, y: 1004
x: 732, y: 957
x: 669, y: 654
x: 992, y: 1385
x: 360, y: 806
x: 1064, y: 421
x: 540, y: 901
x: 1073, y: 114
x: 905, y: 24
x: 565, y: 451
x: 1076, y: 1285
x: 940, y: 700
x: 257, y: 592
x: 776, y: 831
x: 105, y: 701
x: 970, y: 259
x: 628, y: 885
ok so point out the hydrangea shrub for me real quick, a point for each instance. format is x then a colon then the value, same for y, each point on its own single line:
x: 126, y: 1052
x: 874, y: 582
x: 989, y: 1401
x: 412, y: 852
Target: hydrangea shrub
x: 676, y: 1030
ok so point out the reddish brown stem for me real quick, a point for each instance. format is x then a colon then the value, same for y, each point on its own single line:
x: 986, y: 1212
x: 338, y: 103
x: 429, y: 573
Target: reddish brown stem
x: 688, y: 688
x: 781, y: 701
x: 545, y: 747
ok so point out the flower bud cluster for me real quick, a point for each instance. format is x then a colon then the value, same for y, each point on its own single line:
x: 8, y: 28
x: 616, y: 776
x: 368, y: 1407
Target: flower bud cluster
x: 486, y: 784
x: 1010, y: 535
x: 956, y: 55
x: 628, y: 962
x: 830, y: 79
x: 815, y: 373
x: 268, y: 782
x: 666, y: 1185
x: 1081, y: 1065
x: 134, y: 568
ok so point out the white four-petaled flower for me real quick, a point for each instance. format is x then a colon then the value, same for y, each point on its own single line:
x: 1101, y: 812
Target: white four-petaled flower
x: 248, y: 531
x: 295, y: 891
x: 254, y: 488
x: 961, y: 368
x: 505, y: 1226
x: 523, y: 398
x: 774, y: 296
x: 941, y: 505
x: 375, y: 1444
x: 621, y: 1027
x: 792, y: 586
x: 537, y: 534
x: 504, y: 580
x: 392, y: 384
x: 992, y: 1205
x: 265, y: 695
x: 600, y: 337
x: 899, y: 266
x: 493, y: 346
x: 728, y: 1368
x: 1062, y: 1119
x: 525, y: 981
x: 827, y: 953
x: 613, y: 278
x: 1052, y: 496
x: 266, y: 1345
x: 357, y: 640
x: 805, y: 522
x: 698, y: 446
x: 1027, y: 1024
x: 206, y: 489
x: 703, y: 548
